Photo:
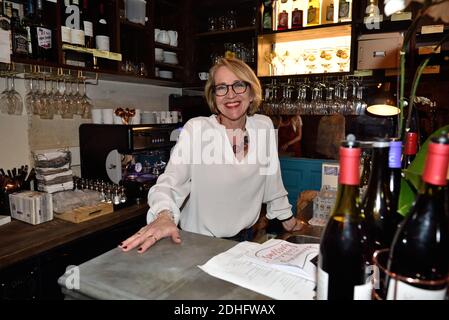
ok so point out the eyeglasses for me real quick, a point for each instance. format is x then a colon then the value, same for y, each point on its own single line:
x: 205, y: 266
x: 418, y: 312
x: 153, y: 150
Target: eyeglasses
x: 238, y: 87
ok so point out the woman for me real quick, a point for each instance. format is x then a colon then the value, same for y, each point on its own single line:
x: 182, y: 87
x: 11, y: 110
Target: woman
x: 217, y: 173
x: 290, y: 134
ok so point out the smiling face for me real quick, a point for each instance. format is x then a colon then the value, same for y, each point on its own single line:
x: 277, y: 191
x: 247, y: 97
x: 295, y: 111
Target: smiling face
x: 232, y: 106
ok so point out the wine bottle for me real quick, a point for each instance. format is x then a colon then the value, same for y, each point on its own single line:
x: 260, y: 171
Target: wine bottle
x: 345, y: 247
x: 420, y: 247
x: 102, y: 32
x: 28, y: 25
x: 87, y: 25
x: 377, y: 201
x: 410, y: 149
x: 41, y: 36
x: 394, y: 173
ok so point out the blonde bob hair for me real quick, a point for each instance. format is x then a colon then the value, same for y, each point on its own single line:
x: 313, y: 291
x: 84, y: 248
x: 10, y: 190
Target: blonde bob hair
x: 243, y: 72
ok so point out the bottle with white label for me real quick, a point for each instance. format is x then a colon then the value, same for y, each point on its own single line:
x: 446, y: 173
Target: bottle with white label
x: 420, y: 248
x: 41, y: 36
x: 346, y: 246
x: 87, y: 25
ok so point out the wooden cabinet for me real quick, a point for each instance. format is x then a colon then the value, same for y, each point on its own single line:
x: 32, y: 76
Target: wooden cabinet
x: 221, y: 29
x: 131, y: 45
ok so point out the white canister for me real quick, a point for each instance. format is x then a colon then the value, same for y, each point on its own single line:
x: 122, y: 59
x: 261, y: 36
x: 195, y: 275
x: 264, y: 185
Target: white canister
x: 137, y: 117
x: 96, y: 116
x: 107, y: 115
x: 102, y: 43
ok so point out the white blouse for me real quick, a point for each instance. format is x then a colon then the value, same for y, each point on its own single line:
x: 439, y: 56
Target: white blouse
x: 218, y: 194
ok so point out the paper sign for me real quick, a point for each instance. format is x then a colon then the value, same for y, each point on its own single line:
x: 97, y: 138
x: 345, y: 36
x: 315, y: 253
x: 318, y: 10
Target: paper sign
x: 5, y: 46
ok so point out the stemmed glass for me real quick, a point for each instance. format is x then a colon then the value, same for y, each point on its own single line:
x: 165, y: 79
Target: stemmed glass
x: 4, y: 97
x: 77, y: 101
x: 86, y: 103
x: 66, y: 105
x: 30, y: 99
x: 15, y: 100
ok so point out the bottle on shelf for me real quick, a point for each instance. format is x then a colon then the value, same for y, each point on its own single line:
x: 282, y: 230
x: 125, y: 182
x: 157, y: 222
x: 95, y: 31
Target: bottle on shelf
x: 297, y: 15
x: 41, y: 35
x: 410, y: 149
x: 102, y: 39
x: 314, y: 13
x: 420, y: 247
x: 344, y: 10
x: 266, y: 11
x: 28, y: 24
x: 346, y: 248
x: 284, y: 21
x: 377, y: 201
x: 87, y: 25
x: 328, y: 13
x: 19, y: 36
x: 5, y: 22
x: 274, y: 14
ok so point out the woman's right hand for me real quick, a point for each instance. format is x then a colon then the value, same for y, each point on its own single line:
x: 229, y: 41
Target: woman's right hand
x: 163, y: 226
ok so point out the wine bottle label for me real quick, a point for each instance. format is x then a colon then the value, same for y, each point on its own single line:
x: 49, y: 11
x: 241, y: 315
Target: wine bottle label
x: 283, y: 20
x: 361, y: 292
x: 330, y: 13
x: 88, y: 29
x: 30, y: 45
x: 322, y: 284
x: 20, y: 44
x: 297, y: 18
x: 66, y: 34
x: 77, y: 37
x: 44, y: 38
x: 394, y: 155
x: 404, y: 291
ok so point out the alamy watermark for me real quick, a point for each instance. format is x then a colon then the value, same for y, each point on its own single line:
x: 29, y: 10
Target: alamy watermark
x: 209, y: 146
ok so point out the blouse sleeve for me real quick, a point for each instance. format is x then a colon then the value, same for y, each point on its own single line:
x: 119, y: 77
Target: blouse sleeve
x: 173, y: 186
x: 275, y: 195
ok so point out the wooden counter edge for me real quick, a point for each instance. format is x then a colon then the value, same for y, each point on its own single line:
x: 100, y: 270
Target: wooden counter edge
x: 21, y: 241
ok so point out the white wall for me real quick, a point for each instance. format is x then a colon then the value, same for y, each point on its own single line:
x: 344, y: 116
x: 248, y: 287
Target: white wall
x: 20, y: 135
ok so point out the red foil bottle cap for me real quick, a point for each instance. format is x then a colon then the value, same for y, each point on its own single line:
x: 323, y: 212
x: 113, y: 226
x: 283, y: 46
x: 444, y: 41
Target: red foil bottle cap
x: 349, y: 166
x: 437, y: 161
x: 411, y: 143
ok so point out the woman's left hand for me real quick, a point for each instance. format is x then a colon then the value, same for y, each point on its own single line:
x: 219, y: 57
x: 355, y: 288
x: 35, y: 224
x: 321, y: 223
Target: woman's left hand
x: 293, y: 224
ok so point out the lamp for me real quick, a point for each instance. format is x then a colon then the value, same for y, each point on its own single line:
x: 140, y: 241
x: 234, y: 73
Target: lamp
x: 384, y: 103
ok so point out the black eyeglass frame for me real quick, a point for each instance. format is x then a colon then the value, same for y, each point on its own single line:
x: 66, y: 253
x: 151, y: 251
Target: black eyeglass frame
x: 232, y: 86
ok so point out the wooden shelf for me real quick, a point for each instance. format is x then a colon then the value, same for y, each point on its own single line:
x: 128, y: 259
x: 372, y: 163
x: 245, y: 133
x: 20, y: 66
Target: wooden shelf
x: 167, y: 47
x: 316, y: 29
x: 35, y: 62
x: 134, y: 26
x: 226, y: 32
x: 168, y: 65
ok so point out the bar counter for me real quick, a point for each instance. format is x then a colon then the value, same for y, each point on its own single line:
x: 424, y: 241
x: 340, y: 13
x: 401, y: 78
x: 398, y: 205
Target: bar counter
x: 165, y: 271
x: 21, y: 241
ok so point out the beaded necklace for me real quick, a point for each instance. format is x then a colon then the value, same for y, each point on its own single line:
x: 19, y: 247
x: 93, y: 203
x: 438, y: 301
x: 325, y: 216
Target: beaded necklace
x: 239, y: 145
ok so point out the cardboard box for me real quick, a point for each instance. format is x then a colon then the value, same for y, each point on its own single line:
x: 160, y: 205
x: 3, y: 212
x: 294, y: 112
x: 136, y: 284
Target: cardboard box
x: 32, y: 207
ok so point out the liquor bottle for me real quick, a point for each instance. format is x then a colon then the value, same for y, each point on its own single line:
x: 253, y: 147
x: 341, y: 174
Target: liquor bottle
x: 5, y: 22
x: 328, y: 11
x: 87, y: 25
x: 297, y: 16
x: 19, y: 36
x: 395, y: 173
x: 284, y: 20
x: 102, y: 32
x: 344, y: 10
x: 345, y: 248
x: 410, y: 149
x: 313, y: 13
x: 274, y: 14
x: 41, y: 36
x: 27, y: 22
x: 377, y: 201
x: 420, y: 247
x: 266, y: 14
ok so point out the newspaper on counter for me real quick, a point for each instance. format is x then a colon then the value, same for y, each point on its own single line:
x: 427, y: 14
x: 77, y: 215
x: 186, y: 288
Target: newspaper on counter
x: 275, y: 268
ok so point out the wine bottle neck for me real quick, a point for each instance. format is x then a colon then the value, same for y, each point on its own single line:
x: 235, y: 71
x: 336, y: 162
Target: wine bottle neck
x: 379, y: 169
x: 347, y: 203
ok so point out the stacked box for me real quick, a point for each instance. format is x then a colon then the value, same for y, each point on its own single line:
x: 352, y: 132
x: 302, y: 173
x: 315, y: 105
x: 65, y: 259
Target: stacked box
x: 32, y: 207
